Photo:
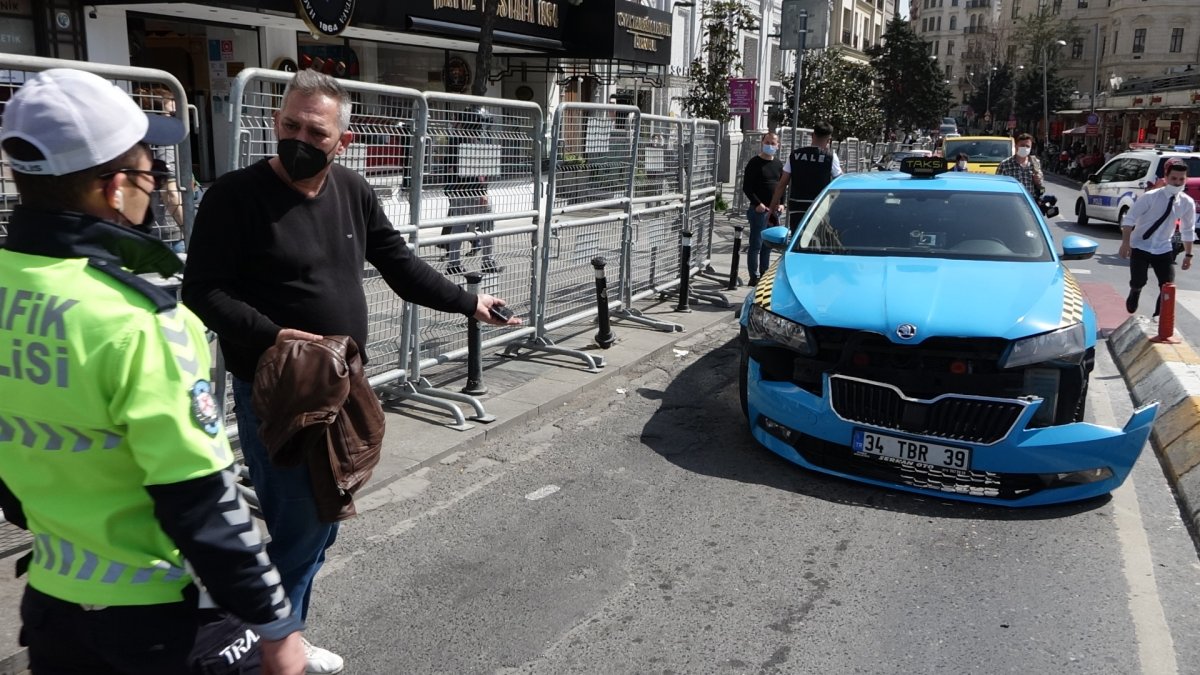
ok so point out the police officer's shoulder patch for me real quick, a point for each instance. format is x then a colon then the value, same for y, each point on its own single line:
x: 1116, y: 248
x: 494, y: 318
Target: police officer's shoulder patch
x: 205, y: 411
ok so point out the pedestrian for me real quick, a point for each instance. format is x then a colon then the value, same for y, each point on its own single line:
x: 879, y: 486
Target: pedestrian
x: 814, y: 167
x: 961, y: 162
x: 759, y: 179
x: 468, y: 191
x: 277, y: 253
x: 1024, y: 167
x: 123, y: 473
x: 1147, y: 231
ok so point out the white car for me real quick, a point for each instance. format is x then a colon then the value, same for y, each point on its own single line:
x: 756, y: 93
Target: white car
x: 1110, y: 192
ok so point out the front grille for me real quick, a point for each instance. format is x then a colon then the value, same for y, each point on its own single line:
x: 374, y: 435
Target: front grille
x: 974, y: 483
x: 956, y: 418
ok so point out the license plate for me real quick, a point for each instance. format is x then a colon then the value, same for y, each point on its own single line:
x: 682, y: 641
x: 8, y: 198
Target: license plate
x: 908, y: 451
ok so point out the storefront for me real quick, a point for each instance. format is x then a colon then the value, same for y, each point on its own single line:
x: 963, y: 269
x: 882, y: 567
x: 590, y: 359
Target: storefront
x: 544, y: 50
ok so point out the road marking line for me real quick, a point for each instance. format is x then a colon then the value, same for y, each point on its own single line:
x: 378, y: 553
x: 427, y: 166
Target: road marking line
x: 1156, y: 647
x: 542, y: 493
x: 1079, y: 270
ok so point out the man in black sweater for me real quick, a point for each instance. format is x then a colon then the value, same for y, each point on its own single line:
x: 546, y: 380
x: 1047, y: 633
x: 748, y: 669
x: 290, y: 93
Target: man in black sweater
x: 758, y: 184
x: 277, y: 253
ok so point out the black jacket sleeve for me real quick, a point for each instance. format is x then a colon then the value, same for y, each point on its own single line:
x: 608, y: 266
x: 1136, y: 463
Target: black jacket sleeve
x: 750, y: 182
x: 410, y: 277
x: 13, y: 512
x: 212, y: 273
x: 210, y: 522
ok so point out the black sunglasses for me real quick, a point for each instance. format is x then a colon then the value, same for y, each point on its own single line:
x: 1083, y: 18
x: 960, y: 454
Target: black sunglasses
x: 158, y: 171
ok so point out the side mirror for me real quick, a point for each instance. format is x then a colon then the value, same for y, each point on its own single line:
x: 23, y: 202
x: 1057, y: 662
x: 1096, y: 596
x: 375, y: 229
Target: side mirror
x: 1076, y: 247
x: 1093, y: 178
x: 775, y: 237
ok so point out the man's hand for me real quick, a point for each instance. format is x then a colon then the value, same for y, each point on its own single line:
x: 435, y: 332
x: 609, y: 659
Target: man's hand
x: 1125, y: 250
x: 294, y: 334
x: 1187, y: 262
x: 761, y: 208
x: 283, y: 657
x: 483, y: 311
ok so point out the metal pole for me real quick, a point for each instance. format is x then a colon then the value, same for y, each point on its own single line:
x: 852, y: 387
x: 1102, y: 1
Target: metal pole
x: 1095, y: 62
x: 796, y: 82
x: 1045, y: 105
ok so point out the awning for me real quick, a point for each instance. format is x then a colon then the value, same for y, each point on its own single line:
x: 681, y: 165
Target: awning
x: 1068, y: 112
x: 1077, y: 131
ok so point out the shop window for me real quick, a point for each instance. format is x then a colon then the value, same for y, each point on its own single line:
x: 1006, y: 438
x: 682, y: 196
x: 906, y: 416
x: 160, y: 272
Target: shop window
x: 1176, y: 40
x: 1139, y: 40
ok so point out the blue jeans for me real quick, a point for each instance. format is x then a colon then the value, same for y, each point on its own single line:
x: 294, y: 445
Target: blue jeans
x: 298, y: 537
x: 758, y: 257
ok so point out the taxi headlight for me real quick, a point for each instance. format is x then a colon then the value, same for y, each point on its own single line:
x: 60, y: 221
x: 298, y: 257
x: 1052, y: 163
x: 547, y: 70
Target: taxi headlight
x: 1045, y: 347
x: 765, y: 325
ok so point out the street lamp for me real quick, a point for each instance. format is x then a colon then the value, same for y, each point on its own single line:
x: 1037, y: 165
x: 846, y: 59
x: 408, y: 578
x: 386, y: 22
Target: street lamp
x: 1045, y: 96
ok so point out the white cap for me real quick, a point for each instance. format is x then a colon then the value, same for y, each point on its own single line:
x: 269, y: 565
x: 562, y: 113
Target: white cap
x: 79, y: 120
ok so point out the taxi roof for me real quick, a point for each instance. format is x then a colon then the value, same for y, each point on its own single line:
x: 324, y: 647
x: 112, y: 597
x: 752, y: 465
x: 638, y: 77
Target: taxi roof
x: 950, y: 180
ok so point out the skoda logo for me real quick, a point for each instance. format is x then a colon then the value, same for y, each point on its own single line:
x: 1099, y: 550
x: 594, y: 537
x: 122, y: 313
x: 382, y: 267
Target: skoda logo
x: 906, y: 331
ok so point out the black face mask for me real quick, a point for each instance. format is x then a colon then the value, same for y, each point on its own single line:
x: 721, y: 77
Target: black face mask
x: 301, y: 160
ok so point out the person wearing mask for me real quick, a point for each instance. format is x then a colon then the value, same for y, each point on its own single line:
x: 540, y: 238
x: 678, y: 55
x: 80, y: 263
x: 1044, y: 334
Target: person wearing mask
x: 807, y: 170
x: 1024, y: 167
x: 1147, y: 230
x: 961, y: 162
x: 127, y: 484
x: 277, y: 254
x: 759, y: 180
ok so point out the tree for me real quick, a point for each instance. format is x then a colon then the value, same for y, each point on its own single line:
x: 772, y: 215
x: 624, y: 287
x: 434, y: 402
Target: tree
x: 834, y: 90
x: 483, y: 57
x: 724, y: 20
x: 996, y: 97
x: 912, y: 92
x: 1029, y: 96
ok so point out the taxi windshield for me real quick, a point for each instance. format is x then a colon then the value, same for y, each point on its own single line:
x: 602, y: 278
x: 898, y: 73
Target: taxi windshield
x: 924, y: 223
x: 980, y: 150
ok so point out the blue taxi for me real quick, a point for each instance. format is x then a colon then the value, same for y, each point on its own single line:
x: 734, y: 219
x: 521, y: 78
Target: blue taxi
x: 919, y: 331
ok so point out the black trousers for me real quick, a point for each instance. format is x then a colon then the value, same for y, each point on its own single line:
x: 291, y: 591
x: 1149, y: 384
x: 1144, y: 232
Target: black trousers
x: 1140, y: 263
x: 63, y: 638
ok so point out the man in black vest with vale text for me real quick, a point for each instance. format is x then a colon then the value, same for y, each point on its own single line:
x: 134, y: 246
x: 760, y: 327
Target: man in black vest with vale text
x: 808, y: 170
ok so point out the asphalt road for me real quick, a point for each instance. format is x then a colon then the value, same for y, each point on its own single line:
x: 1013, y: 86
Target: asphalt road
x: 642, y: 530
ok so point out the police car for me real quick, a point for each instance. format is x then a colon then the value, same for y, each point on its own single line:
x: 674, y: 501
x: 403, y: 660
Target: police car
x: 1109, y: 193
x: 921, y: 332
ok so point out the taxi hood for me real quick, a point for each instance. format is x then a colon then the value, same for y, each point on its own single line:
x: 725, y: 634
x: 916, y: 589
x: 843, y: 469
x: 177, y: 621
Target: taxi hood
x: 941, y: 297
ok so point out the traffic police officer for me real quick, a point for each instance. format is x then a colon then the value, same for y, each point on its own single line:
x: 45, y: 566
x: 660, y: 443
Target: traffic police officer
x: 813, y: 167
x: 112, y: 452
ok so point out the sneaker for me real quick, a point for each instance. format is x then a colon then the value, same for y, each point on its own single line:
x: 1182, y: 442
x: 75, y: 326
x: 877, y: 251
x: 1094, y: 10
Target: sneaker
x: 321, y: 661
x: 1131, y: 302
x: 753, y: 280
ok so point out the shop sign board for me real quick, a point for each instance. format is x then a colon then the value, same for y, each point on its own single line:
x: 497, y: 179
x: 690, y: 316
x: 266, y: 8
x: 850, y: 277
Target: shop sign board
x: 327, y: 17
x: 638, y: 33
x: 741, y: 95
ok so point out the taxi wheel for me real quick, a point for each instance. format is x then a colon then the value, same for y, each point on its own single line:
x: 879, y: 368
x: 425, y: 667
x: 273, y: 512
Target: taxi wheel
x: 1081, y: 212
x: 743, y: 373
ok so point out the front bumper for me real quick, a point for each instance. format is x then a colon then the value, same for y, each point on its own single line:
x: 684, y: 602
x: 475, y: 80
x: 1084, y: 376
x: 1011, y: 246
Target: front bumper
x: 1020, y: 469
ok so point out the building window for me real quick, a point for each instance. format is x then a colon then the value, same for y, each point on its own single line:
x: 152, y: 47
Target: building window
x: 936, y: 44
x: 1139, y: 41
x: 1011, y: 55
x: 950, y: 48
x: 1016, y: 10
x: 953, y: 23
x: 1176, y: 40
x: 1083, y: 4
x: 939, y: 23
x: 1116, y: 37
x: 949, y: 71
x: 1056, y: 7
x: 954, y: 3
x: 1077, y: 48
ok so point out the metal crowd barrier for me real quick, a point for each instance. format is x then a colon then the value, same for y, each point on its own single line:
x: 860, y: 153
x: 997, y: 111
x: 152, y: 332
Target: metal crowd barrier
x: 460, y: 176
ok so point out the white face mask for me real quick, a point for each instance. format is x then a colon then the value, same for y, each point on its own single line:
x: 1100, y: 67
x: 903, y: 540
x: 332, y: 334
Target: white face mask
x: 1173, y: 189
x: 1023, y: 151
x: 769, y: 149
x: 962, y: 166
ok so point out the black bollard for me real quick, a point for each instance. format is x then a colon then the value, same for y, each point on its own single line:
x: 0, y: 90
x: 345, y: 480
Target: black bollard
x: 653, y: 263
x: 474, y: 345
x: 737, y: 254
x: 685, y: 272
x: 604, y: 337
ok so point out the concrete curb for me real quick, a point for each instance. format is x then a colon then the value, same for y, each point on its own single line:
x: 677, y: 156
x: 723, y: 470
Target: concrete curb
x: 1170, y: 374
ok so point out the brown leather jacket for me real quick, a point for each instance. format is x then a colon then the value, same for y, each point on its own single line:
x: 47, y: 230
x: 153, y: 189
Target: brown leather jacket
x: 316, y: 407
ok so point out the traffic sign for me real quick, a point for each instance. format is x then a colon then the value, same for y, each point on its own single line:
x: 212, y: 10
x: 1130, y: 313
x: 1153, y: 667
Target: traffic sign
x: 1093, y: 119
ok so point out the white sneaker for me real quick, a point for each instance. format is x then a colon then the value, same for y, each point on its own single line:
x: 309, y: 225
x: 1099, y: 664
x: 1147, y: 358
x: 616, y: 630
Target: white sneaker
x: 321, y: 661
